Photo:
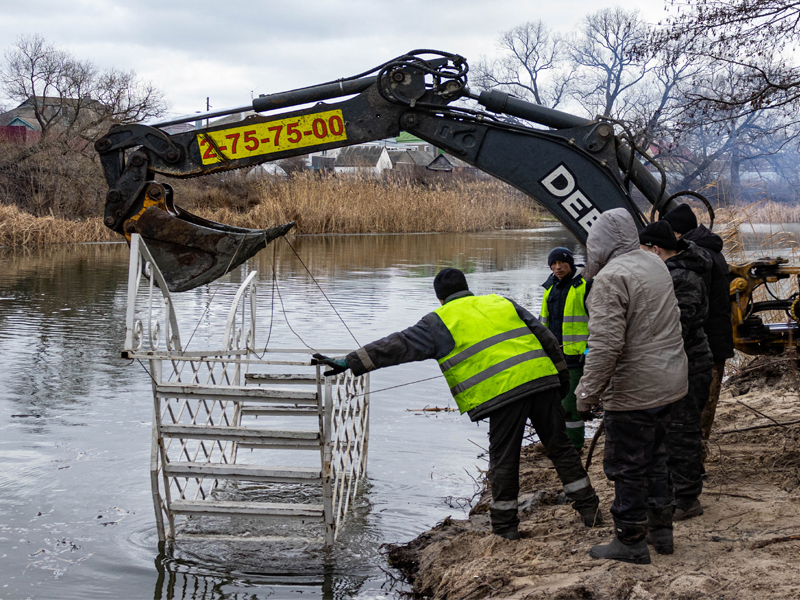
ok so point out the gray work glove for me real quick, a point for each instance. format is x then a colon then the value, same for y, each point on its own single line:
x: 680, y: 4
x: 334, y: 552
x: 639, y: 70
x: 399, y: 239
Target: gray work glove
x: 338, y: 364
x: 586, y: 404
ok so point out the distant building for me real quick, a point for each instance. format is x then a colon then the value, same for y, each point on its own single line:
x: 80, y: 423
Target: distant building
x: 412, y: 142
x: 362, y: 159
x: 410, y: 158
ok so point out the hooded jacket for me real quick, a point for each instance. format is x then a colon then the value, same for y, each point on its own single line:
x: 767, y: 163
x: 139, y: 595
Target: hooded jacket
x: 687, y: 269
x: 636, y: 359
x: 718, y: 327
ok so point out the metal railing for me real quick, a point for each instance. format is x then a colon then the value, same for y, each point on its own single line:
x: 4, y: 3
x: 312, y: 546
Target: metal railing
x: 206, y: 403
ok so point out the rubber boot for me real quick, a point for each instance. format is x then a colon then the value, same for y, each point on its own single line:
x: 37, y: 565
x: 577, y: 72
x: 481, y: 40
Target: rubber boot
x: 659, y: 529
x: 687, y: 510
x: 512, y: 535
x: 586, y: 502
x: 592, y: 518
x: 628, y: 546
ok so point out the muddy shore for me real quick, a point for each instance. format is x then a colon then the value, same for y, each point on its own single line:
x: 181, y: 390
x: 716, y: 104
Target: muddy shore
x: 741, y: 547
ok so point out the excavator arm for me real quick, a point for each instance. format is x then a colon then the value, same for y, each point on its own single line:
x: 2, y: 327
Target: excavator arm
x: 576, y: 169
x: 573, y: 167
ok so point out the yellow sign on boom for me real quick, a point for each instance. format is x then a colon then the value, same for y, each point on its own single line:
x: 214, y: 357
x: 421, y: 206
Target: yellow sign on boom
x: 275, y: 136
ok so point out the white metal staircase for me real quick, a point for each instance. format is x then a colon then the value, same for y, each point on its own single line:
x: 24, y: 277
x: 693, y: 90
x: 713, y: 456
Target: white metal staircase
x: 222, y: 417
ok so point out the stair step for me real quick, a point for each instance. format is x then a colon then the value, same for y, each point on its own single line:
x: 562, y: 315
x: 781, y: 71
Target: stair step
x: 262, y: 438
x: 294, y: 378
x: 279, y: 411
x: 259, y: 539
x: 236, y: 392
x: 244, y: 472
x: 307, y: 512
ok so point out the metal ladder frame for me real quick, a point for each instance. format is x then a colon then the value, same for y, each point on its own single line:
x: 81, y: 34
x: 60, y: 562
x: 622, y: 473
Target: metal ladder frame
x: 222, y: 397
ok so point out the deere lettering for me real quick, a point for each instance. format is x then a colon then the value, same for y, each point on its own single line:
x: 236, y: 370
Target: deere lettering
x: 561, y: 184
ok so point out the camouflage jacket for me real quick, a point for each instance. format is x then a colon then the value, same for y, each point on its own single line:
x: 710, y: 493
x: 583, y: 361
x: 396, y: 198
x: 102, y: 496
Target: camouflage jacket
x: 687, y: 269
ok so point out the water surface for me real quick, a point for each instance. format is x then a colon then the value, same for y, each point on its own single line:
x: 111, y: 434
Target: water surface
x: 76, y: 514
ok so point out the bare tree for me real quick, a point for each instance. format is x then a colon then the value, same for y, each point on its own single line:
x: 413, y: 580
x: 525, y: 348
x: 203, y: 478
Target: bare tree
x: 70, y: 96
x: 753, y: 35
x: 608, y: 66
x: 532, y: 65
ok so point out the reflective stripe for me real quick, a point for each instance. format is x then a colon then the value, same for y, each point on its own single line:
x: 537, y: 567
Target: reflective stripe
x: 577, y: 485
x: 487, y: 343
x: 365, y: 359
x: 543, y: 321
x: 575, y: 338
x: 504, y: 505
x: 574, y: 322
x: 575, y: 424
x: 495, y: 369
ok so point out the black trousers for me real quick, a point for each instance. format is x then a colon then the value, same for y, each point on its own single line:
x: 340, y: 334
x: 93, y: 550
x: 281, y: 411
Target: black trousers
x: 506, y: 430
x: 635, y: 460
x: 685, y: 441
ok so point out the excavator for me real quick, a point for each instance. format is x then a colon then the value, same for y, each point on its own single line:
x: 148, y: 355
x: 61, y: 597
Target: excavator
x: 575, y: 168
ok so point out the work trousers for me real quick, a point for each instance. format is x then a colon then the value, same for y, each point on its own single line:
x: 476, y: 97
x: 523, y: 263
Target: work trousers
x: 685, y: 441
x: 576, y: 430
x: 506, y: 430
x: 635, y: 460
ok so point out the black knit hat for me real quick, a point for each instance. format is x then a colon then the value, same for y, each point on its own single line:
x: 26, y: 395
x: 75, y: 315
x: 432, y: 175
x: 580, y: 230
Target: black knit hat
x: 449, y: 281
x: 659, y: 233
x: 562, y: 254
x: 682, y: 219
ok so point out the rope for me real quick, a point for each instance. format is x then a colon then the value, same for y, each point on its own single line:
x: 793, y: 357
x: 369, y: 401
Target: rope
x: 216, y: 289
x: 271, y: 301
x: 322, y: 291
x: 397, y: 386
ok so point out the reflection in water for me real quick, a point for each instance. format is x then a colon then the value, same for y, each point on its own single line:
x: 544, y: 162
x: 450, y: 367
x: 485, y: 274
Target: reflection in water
x: 76, y: 515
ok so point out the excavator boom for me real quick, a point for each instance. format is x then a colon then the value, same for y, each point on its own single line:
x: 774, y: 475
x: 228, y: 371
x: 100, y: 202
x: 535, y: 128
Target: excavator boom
x: 573, y: 170
x: 573, y: 167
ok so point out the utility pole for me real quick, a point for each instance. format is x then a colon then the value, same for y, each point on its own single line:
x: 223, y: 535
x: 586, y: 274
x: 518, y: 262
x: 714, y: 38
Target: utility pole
x: 208, y: 107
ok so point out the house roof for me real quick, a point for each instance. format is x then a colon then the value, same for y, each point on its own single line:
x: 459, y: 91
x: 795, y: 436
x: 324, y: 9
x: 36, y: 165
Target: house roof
x: 407, y: 138
x: 400, y: 157
x: 22, y: 115
x: 440, y: 163
x: 420, y: 157
x: 359, y: 156
x: 17, y: 121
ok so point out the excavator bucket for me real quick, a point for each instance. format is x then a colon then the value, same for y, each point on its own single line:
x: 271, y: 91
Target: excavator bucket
x: 191, y: 251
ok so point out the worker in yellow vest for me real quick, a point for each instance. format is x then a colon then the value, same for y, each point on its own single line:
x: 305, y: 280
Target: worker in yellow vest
x: 501, y: 364
x: 564, y: 314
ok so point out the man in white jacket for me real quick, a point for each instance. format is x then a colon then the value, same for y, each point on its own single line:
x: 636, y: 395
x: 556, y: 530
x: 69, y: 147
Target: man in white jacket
x: 637, y: 366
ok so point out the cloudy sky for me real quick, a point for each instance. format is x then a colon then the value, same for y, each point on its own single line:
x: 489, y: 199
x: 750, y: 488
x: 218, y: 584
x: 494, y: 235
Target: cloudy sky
x: 229, y: 49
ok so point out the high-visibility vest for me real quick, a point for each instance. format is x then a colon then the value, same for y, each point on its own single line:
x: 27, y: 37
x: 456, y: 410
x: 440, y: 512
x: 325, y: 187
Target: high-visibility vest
x: 494, y: 352
x: 575, y: 326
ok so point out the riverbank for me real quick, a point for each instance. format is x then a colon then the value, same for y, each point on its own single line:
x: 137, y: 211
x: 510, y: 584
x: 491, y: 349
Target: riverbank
x: 741, y: 547
x: 318, y: 204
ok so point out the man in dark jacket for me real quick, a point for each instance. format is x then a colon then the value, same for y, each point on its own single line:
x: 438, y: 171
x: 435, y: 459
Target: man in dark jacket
x: 686, y: 264
x: 564, y: 313
x: 501, y: 363
x: 718, y: 327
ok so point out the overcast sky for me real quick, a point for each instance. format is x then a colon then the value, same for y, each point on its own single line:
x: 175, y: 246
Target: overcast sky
x: 229, y: 49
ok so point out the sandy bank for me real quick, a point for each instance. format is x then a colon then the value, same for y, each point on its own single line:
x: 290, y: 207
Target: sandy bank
x: 751, y: 497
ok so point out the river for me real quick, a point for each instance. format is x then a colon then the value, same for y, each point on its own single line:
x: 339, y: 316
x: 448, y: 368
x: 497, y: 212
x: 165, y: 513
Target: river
x: 76, y: 515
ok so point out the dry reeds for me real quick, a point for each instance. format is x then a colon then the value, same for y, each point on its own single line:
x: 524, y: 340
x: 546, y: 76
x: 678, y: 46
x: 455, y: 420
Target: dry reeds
x: 353, y: 204
x: 18, y: 228
x: 319, y: 204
